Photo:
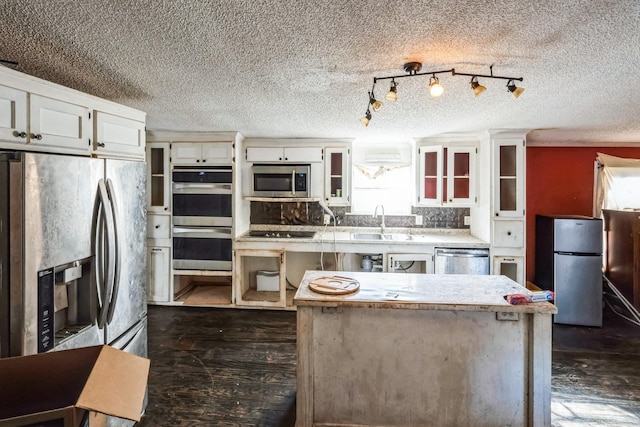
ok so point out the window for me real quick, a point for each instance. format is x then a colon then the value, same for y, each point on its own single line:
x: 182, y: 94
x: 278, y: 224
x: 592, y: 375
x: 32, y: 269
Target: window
x: 382, y: 175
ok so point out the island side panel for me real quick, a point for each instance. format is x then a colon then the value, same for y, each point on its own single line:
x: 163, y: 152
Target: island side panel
x: 418, y: 367
x: 540, y: 352
x: 304, y: 394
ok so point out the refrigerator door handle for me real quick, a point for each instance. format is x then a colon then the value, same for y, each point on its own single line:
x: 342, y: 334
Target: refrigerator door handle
x: 105, y: 223
x: 115, y: 251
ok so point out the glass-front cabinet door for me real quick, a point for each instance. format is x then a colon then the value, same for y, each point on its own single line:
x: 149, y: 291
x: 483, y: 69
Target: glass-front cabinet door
x: 509, y: 178
x: 431, y: 170
x: 460, y: 172
x: 337, y: 173
x: 159, y: 177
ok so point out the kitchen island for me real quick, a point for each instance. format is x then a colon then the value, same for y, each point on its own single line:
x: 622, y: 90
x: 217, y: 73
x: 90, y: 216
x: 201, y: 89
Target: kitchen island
x: 422, y: 350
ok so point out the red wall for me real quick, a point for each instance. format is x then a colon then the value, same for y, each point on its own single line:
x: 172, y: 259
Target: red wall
x: 560, y: 181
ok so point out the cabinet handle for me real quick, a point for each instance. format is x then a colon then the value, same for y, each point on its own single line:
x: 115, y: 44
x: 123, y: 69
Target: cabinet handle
x: 156, y: 250
x: 36, y: 136
x: 101, y: 144
x: 19, y: 134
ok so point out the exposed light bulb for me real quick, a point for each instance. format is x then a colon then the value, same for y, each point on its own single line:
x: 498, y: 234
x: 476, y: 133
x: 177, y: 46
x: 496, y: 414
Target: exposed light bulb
x: 376, y: 105
x: 435, y: 88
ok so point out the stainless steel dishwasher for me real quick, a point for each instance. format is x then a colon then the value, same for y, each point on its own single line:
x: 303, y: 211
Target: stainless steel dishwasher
x: 461, y: 261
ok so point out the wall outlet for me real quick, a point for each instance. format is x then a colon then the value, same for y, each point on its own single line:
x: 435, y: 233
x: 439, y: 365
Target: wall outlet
x: 467, y: 220
x: 418, y: 219
x: 327, y: 219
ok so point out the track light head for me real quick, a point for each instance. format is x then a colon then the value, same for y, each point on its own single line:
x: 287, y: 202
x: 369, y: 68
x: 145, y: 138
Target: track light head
x: 515, y: 90
x: 367, y: 118
x: 435, y: 88
x: 477, y: 87
x: 392, y: 95
x: 375, y: 104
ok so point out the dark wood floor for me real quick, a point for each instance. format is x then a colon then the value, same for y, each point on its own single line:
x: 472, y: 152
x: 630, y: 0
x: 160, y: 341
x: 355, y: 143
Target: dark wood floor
x: 227, y: 367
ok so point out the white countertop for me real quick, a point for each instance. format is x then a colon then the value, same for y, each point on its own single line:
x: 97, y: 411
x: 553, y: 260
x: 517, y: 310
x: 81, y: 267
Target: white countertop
x: 423, y: 292
x: 342, y: 236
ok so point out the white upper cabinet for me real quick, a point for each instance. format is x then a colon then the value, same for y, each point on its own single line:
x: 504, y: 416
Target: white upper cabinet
x: 508, y: 184
x: 36, y: 115
x: 284, y: 154
x: 48, y: 124
x: 13, y: 115
x: 201, y: 153
x: 447, y: 175
x: 59, y: 124
x: 118, y: 136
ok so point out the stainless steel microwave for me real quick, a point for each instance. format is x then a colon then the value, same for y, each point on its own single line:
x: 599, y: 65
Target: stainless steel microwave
x: 281, y: 180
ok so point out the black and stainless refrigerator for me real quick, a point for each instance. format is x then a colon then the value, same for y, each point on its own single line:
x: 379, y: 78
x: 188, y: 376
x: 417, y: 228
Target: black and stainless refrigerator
x: 72, y: 254
x: 569, y: 262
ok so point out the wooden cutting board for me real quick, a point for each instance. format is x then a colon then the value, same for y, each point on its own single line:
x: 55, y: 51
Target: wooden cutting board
x: 334, y: 285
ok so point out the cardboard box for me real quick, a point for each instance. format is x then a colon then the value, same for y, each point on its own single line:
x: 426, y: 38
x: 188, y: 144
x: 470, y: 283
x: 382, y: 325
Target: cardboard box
x: 64, y: 385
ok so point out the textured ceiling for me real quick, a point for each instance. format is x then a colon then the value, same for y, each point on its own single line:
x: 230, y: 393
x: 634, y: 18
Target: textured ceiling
x: 278, y: 68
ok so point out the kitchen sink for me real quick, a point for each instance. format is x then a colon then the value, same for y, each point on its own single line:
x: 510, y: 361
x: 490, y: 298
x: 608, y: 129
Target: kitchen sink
x: 366, y: 236
x: 378, y: 236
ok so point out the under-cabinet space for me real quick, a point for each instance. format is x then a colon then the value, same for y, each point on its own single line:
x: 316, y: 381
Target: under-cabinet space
x: 410, y: 263
x: 259, y: 278
x: 204, y: 290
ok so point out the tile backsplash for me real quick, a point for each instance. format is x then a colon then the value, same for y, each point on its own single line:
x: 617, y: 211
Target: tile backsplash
x: 310, y: 213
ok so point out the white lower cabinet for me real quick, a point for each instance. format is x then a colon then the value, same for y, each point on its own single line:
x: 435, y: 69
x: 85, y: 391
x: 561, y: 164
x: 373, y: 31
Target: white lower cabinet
x: 510, y: 266
x: 508, y: 234
x: 159, y: 271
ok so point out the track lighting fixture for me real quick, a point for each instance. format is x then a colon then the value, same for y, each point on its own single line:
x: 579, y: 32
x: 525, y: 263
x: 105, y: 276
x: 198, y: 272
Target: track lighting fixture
x: 516, y: 91
x: 435, y: 88
x: 477, y: 87
x: 392, y: 95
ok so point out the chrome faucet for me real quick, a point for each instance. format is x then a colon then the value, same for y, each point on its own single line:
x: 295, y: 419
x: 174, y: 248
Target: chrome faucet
x: 375, y: 215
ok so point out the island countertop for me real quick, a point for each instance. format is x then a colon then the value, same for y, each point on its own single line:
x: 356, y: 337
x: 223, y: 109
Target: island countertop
x: 422, y: 292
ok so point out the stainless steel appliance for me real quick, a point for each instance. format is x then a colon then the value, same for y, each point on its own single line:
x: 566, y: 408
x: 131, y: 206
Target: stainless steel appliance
x: 72, y: 253
x: 569, y: 262
x: 281, y: 180
x: 461, y: 261
x: 202, y: 218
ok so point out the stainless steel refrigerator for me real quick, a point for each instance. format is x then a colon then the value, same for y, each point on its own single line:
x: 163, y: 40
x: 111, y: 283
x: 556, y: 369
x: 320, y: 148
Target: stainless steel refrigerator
x: 569, y: 262
x: 72, y: 254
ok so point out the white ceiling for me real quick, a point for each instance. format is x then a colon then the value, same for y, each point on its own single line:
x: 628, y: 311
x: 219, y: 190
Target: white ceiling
x: 284, y: 69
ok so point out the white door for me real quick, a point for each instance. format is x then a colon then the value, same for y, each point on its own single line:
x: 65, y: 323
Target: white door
x: 59, y: 124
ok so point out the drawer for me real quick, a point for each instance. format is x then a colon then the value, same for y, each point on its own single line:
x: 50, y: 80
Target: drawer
x: 158, y: 226
x: 508, y: 234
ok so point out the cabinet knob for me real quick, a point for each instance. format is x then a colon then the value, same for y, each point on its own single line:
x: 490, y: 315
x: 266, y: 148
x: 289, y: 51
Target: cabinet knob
x: 204, y: 160
x: 166, y: 209
x: 286, y: 158
x: 101, y: 144
x: 497, y: 214
x: 19, y: 134
x: 508, y: 233
x: 157, y: 226
x: 198, y: 161
x: 36, y: 136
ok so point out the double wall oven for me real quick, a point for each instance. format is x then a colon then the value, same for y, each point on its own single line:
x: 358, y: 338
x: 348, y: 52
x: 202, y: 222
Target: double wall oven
x: 202, y: 218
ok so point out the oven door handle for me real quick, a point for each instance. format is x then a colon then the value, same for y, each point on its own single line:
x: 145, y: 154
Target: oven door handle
x: 202, y: 232
x: 201, y: 188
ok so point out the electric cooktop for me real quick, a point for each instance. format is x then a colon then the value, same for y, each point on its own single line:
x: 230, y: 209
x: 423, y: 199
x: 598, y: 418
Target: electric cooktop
x: 283, y: 234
